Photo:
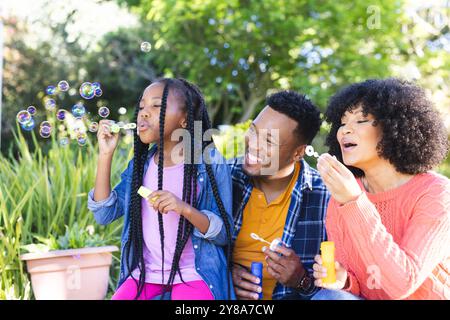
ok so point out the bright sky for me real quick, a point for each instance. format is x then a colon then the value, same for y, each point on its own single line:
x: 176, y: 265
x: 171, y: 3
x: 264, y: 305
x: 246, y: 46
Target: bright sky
x: 94, y: 18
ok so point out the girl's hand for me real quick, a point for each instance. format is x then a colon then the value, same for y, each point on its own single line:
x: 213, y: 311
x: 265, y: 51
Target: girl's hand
x: 338, y: 179
x: 107, y: 141
x: 320, y: 272
x: 165, y: 201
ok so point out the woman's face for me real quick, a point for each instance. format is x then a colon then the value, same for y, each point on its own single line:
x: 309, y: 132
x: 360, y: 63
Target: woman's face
x: 149, y: 109
x: 358, y: 139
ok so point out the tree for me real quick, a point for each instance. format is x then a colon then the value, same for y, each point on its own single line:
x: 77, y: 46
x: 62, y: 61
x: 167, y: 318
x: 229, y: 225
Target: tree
x: 238, y: 51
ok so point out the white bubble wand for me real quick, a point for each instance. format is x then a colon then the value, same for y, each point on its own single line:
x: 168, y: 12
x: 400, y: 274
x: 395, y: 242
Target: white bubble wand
x: 311, y: 153
x: 272, y: 245
x: 115, y: 127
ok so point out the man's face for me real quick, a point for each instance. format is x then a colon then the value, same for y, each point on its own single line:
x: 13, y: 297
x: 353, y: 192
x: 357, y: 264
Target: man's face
x: 270, y: 143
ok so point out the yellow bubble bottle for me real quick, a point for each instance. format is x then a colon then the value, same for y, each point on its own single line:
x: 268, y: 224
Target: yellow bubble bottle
x: 327, y: 249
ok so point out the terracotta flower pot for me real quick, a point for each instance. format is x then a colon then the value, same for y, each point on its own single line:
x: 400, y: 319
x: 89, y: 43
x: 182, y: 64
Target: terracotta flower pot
x: 74, y: 274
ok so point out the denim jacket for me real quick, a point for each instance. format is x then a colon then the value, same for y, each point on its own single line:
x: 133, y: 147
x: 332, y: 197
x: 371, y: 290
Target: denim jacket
x: 210, y: 260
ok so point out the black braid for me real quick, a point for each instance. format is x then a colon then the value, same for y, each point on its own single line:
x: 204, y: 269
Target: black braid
x: 135, y: 238
x: 196, y: 110
x: 206, y: 123
x: 184, y: 227
x: 162, y: 117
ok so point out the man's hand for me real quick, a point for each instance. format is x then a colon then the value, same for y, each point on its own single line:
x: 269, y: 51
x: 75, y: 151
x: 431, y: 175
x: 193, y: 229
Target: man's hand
x: 286, y: 268
x: 244, y: 284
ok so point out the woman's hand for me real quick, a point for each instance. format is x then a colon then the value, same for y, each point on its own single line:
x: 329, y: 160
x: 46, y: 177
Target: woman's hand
x: 165, y: 201
x: 338, y: 179
x: 107, y: 141
x: 320, y: 272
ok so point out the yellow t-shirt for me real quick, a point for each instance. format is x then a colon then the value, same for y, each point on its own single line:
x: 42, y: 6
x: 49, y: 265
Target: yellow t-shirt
x: 267, y: 221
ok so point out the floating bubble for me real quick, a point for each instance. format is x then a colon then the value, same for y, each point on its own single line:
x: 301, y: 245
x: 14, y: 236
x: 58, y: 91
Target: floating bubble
x: 23, y: 117
x: 32, y: 110
x: 309, y: 151
x: 78, y: 126
x: 146, y: 46
x: 122, y: 110
x: 78, y: 110
x: 46, y: 124
x: 62, y: 127
x: 103, y: 112
x: 96, y: 85
x: 81, y: 139
x: 63, y: 85
x: 64, y: 141
x: 61, y: 114
x: 50, y: 90
x: 98, y: 92
x: 45, y: 131
x: 316, y: 154
x: 93, y: 127
x: 87, y: 90
x: 50, y: 104
x: 28, y: 126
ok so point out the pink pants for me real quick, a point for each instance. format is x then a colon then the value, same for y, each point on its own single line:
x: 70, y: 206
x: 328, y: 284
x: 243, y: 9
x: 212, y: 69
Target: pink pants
x: 193, y: 290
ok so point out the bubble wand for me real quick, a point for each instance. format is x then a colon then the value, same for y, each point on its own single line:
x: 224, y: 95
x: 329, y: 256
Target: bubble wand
x: 272, y: 245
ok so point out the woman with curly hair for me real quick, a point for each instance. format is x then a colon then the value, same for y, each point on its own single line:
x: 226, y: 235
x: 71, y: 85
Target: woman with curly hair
x: 389, y: 215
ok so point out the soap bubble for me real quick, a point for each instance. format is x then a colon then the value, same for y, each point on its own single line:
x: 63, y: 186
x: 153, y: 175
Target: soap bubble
x: 81, y: 139
x: 45, y: 124
x: 87, y: 90
x: 122, y: 110
x: 98, y: 92
x: 23, y: 116
x: 28, y: 126
x: 93, y: 127
x: 78, y: 110
x: 316, y: 154
x: 50, y: 104
x: 146, y: 46
x: 64, y: 141
x: 50, y: 90
x: 103, y: 112
x: 63, y: 85
x: 62, y: 127
x: 309, y: 151
x: 61, y: 114
x: 78, y: 126
x: 96, y: 85
x: 45, y: 131
x: 32, y: 110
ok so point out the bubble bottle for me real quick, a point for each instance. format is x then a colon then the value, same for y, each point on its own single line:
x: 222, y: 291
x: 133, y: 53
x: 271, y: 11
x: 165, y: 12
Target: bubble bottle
x: 327, y: 250
x: 256, y: 269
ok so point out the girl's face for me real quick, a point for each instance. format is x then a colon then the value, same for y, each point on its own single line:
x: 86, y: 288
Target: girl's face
x: 358, y: 139
x: 148, y: 115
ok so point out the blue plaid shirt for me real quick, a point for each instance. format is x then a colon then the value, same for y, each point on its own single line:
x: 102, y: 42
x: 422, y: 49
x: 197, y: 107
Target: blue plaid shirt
x: 305, y: 223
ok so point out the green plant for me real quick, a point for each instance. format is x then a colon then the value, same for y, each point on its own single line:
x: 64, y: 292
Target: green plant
x: 75, y: 237
x: 40, y: 194
x: 230, y: 141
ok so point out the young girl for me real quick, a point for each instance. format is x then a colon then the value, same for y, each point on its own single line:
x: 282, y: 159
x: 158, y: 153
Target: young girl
x: 173, y: 241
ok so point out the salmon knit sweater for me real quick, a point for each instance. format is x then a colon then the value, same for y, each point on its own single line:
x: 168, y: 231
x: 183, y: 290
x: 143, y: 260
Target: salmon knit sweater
x: 396, y: 244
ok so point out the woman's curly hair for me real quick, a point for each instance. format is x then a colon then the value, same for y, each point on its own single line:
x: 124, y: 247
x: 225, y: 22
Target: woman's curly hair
x: 414, y: 138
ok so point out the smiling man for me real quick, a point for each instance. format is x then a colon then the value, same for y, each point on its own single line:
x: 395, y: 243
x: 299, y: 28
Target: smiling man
x: 277, y: 195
